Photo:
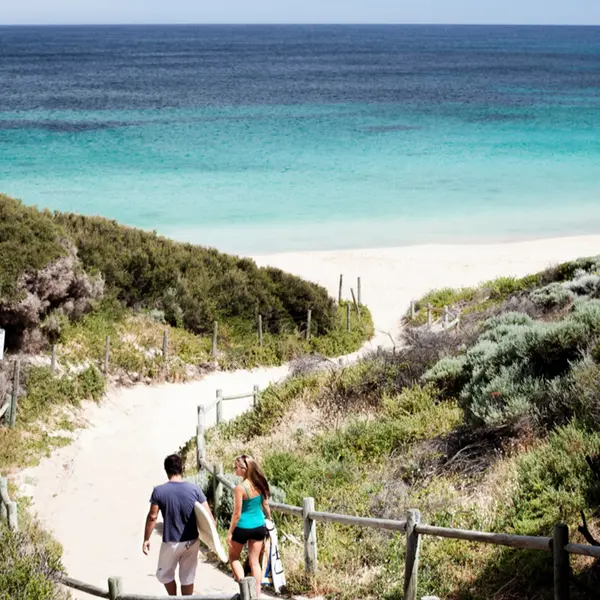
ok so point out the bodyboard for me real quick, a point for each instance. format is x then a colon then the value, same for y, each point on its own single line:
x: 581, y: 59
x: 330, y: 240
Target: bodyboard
x: 207, y: 532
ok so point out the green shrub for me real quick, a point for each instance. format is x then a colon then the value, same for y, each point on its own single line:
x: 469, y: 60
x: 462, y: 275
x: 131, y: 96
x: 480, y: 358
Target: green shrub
x: 552, y: 296
x: 29, y: 240
x: 29, y: 565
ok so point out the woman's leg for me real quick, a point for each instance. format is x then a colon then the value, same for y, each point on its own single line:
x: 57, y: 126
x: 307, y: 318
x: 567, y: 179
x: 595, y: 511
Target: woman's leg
x: 234, y: 560
x: 254, y: 549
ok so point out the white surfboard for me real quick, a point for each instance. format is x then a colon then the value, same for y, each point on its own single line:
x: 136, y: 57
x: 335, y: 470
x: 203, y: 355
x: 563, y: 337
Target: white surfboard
x: 207, y: 532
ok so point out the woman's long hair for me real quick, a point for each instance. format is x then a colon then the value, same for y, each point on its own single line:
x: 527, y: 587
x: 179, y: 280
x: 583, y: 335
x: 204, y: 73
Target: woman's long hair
x: 254, y: 474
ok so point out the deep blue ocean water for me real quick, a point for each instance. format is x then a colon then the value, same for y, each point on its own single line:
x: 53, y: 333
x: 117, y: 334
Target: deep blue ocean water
x: 270, y: 138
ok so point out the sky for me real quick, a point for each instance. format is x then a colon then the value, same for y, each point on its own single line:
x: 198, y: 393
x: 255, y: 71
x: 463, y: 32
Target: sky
x: 572, y: 12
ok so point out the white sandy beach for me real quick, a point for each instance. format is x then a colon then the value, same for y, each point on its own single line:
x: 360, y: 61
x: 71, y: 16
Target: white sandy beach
x: 94, y: 493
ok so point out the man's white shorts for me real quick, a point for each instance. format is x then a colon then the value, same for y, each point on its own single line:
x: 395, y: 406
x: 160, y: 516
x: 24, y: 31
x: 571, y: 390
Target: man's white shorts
x: 184, y: 554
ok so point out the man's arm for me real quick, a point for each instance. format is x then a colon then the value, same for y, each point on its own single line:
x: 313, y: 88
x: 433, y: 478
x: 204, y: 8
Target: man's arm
x: 206, y: 507
x: 150, y: 524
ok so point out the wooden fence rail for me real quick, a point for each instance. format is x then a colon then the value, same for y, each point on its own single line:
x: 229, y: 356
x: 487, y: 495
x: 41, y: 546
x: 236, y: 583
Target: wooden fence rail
x: 412, y: 527
x: 115, y: 590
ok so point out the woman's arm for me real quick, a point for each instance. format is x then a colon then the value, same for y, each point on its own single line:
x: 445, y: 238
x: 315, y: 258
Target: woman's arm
x: 266, y: 508
x: 238, y: 496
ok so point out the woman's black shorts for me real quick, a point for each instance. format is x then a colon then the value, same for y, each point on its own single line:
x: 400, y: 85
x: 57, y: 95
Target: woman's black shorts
x: 242, y: 535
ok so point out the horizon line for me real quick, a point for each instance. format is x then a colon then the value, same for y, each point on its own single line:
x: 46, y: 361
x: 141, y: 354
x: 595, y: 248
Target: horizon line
x: 292, y: 24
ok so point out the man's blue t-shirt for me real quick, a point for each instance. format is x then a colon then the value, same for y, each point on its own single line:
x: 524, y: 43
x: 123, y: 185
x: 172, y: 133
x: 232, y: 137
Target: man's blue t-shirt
x: 176, y: 502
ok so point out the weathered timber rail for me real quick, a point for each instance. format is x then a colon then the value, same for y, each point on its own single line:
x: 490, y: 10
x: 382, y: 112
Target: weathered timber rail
x: 412, y: 527
x: 115, y: 591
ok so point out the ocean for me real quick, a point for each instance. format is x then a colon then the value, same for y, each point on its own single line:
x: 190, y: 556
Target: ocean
x: 260, y: 139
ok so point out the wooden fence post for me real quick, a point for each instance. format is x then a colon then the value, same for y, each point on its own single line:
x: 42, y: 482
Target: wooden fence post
x: 310, y: 537
x: 347, y: 317
x: 13, y: 516
x: 215, y: 336
x: 115, y: 587
x: 165, y: 343
x: 53, y: 359
x: 561, y: 562
x: 358, y: 294
x: 200, y: 436
x: 308, y: 321
x: 340, y: 290
x: 248, y: 588
x: 429, y: 314
x: 412, y: 309
x: 411, y: 565
x: 217, y: 486
x: 355, y: 303
x: 219, y: 406
x: 255, y: 392
x: 106, y: 354
x: 12, y: 419
x: 446, y: 317
x: 3, y: 493
x: 260, y: 333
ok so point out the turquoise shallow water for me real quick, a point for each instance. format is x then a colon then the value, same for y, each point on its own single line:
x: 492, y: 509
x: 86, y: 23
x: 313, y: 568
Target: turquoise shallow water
x: 465, y: 157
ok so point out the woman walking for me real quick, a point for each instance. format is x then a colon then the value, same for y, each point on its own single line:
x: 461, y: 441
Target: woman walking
x: 251, y: 506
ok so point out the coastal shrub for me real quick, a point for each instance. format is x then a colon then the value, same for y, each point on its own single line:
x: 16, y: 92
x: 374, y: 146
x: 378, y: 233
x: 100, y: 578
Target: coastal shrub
x: 584, y: 285
x: 448, y: 375
x: 569, y: 270
x: 45, y: 390
x: 29, y: 565
x: 552, y: 296
x: 193, y: 285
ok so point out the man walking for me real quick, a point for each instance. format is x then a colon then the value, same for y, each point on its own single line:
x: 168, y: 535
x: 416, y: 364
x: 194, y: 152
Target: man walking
x: 175, y: 500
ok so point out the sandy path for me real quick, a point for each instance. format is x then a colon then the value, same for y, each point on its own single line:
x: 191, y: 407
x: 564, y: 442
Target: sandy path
x: 94, y: 493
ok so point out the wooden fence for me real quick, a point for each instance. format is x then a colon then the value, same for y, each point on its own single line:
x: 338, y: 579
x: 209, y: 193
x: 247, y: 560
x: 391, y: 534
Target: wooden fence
x: 8, y: 509
x: 413, y: 529
x: 446, y: 320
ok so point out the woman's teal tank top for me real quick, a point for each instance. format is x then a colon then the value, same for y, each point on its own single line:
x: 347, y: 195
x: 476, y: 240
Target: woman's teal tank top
x: 252, y: 513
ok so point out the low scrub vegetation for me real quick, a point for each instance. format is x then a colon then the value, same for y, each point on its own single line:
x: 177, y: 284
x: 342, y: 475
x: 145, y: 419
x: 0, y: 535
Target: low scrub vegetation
x: 58, y: 268
x: 492, y: 427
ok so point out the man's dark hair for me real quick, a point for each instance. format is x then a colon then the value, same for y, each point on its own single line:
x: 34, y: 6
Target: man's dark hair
x: 173, y: 465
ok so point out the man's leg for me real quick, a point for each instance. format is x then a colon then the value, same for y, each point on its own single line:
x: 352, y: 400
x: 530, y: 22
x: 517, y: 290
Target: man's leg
x: 188, y: 562
x: 167, y: 561
x: 172, y: 588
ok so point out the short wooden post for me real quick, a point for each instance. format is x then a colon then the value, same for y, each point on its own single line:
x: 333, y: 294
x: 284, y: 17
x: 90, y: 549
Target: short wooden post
x: 3, y: 494
x: 13, y: 516
x: 53, y: 359
x: 411, y: 565
x: 219, y: 406
x: 446, y: 317
x: 310, y: 536
x: 429, y: 314
x: 255, y: 392
x: 217, y: 486
x: 165, y: 343
x: 358, y: 291
x: 355, y: 304
x: 200, y: 436
x: 379, y: 350
x: 561, y: 562
x: 340, y: 290
x: 215, y: 336
x: 260, y: 332
x: 106, y: 354
x: 248, y: 588
x: 412, y: 309
x: 347, y: 317
x: 14, y: 398
x: 115, y: 587
x: 308, y: 321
